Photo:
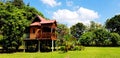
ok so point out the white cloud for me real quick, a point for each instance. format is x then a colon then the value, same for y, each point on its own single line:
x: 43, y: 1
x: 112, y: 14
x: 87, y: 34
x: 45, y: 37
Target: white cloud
x: 51, y: 3
x: 70, y: 18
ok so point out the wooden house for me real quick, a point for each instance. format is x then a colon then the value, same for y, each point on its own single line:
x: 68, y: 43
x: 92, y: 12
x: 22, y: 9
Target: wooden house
x: 42, y: 34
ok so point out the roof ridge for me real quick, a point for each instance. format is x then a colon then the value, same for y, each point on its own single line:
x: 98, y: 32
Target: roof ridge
x: 41, y: 18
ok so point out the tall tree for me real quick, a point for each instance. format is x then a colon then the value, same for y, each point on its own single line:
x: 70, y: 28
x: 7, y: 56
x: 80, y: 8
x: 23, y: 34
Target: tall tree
x: 18, y: 3
x: 62, y: 33
x: 102, y: 36
x: 113, y: 24
x: 115, y: 39
x: 87, y: 39
x: 77, y: 30
x: 14, y: 21
x: 94, y: 26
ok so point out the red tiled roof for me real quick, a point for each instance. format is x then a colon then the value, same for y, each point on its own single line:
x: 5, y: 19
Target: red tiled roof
x: 42, y: 21
x: 47, y: 21
x: 35, y: 24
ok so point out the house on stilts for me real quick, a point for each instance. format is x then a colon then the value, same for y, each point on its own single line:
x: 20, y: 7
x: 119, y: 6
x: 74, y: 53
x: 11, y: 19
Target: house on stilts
x: 42, y: 35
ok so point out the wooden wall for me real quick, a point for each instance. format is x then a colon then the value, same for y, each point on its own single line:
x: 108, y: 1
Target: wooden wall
x: 36, y: 32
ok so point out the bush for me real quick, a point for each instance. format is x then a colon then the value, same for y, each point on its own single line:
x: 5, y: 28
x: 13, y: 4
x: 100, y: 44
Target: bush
x: 73, y: 48
x: 63, y: 48
x: 82, y: 47
x: 115, y: 39
x: 78, y: 48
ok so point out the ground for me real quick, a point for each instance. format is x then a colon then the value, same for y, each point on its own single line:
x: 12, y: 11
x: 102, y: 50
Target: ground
x: 89, y: 52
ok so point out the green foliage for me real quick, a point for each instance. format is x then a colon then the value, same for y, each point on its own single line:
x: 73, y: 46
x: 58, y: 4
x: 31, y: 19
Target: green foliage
x: 62, y: 34
x: 113, y: 24
x: 71, y: 47
x: 94, y: 26
x: 115, y: 39
x: 87, y: 38
x: 77, y: 30
x: 14, y: 22
x: 18, y: 3
x: 78, y: 48
x: 62, y: 30
x: 62, y: 48
x: 101, y: 36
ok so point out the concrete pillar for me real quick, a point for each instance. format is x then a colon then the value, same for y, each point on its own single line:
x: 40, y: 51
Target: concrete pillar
x: 52, y: 45
x: 24, y: 45
x: 38, y: 45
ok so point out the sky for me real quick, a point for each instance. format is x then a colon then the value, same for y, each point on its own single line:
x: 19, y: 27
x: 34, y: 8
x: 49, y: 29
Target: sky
x: 70, y: 12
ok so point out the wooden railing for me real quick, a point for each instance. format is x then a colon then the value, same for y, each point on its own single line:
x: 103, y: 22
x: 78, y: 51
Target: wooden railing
x: 44, y: 35
x: 48, y: 35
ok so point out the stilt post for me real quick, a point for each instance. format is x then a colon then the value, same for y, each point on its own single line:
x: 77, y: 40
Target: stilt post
x: 52, y: 45
x: 24, y: 45
x: 38, y: 45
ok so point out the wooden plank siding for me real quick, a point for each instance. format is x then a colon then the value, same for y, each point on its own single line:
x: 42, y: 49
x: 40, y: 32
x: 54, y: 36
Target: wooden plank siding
x: 41, y: 28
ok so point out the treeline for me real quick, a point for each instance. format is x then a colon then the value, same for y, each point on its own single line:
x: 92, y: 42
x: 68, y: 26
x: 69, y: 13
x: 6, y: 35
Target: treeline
x: 93, y: 35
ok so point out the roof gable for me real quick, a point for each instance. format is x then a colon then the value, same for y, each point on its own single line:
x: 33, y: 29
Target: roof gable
x: 38, y: 20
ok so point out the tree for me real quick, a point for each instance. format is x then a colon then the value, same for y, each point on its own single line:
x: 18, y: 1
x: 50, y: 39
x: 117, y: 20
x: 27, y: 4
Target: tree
x: 87, y: 39
x: 77, y: 30
x: 98, y: 37
x: 14, y: 21
x: 113, y: 24
x: 18, y: 3
x: 13, y: 27
x: 101, y: 36
x: 115, y: 39
x: 94, y: 26
x: 62, y: 33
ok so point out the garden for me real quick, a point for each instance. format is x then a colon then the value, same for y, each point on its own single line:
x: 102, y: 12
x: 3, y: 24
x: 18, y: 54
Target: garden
x: 77, y: 41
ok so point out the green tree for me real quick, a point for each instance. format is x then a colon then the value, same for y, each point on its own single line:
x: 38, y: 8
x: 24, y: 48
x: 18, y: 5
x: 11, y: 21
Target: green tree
x: 98, y: 37
x: 14, y: 22
x: 101, y: 36
x: 13, y: 27
x: 93, y: 26
x: 62, y: 33
x: 115, y: 39
x: 113, y: 24
x: 77, y: 30
x: 87, y: 39
x: 18, y: 3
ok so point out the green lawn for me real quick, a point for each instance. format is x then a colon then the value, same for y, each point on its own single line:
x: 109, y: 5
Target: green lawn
x: 89, y: 52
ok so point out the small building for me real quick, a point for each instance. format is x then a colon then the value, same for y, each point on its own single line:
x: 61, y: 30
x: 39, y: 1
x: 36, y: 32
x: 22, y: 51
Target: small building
x: 42, y: 35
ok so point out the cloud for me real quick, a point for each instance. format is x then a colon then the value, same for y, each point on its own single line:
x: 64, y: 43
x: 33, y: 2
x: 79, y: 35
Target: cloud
x: 51, y: 3
x: 70, y: 18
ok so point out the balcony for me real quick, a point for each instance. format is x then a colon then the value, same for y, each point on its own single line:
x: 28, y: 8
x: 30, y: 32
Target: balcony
x: 43, y: 35
x: 49, y: 35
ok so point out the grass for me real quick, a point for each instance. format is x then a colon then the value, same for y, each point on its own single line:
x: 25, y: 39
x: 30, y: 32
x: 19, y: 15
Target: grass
x: 89, y: 52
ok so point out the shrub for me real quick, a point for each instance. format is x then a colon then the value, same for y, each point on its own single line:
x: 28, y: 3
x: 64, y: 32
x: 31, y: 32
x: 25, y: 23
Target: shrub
x: 78, y: 48
x: 62, y: 48
x: 82, y: 47
x: 115, y: 39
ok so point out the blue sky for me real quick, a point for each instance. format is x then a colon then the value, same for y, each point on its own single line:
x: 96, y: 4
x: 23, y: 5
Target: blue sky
x: 70, y: 12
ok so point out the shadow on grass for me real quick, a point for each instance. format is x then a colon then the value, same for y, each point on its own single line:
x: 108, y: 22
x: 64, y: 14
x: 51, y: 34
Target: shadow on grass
x: 2, y: 51
x: 10, y: 50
